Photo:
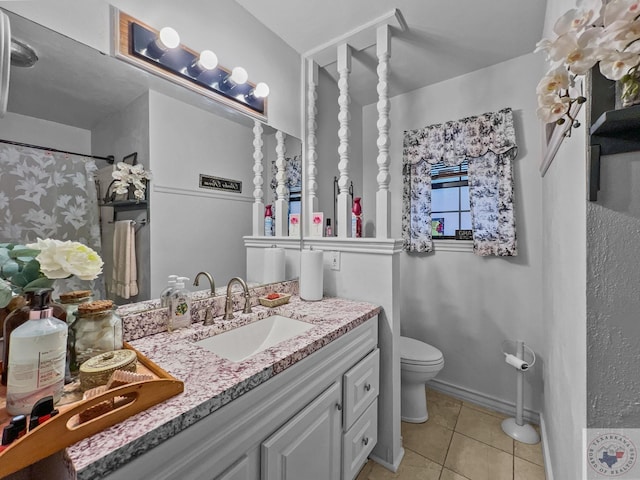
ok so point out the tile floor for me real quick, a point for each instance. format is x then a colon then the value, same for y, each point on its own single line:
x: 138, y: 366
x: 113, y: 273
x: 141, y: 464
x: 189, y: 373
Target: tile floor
x: 460, y: 441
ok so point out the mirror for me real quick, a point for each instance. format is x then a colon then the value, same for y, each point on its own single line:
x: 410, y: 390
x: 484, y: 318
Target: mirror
x: 77, y: 99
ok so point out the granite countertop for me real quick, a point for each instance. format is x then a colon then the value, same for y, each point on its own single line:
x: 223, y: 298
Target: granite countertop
x: 210, y: 381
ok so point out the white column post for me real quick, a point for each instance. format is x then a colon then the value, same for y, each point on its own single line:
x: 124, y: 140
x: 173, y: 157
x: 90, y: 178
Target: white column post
x: 312, y: 157
x: 258, y: 194
x: 282, y: 205
x: 383, y: 195
x: 343, y: 222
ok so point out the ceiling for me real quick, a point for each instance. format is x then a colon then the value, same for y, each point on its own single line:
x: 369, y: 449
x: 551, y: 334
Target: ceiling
x: 445, y: 38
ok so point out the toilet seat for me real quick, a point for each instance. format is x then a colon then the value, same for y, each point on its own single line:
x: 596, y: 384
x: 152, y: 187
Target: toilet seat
x: 415, y: 352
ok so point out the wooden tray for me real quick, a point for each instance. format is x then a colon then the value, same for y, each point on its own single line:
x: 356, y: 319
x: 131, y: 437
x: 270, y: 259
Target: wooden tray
x: 64, y: 429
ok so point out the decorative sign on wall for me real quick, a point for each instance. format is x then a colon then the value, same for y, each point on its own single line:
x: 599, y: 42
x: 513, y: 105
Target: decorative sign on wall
x: 217, y: 183
x: 464, y: 234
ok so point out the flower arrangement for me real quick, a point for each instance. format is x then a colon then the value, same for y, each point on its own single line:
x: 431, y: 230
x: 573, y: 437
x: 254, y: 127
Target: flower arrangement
x: 126, y: 175
x: 39, y: 264
x: 593, y: 32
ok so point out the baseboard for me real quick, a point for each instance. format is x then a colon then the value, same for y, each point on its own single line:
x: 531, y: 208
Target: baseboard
x: 389, y: 466
x: 546, y: 453
x: 483, y: 400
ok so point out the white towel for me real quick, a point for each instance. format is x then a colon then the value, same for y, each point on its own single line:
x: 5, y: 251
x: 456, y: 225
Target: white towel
x: 125, y: 274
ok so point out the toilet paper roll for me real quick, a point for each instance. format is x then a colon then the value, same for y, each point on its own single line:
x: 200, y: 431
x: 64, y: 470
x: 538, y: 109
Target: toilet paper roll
x: 274, y: 265
x: 515, y: 362
x: 311, y: 275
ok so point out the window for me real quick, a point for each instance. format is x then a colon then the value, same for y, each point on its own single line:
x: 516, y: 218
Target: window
x: 450, y: 210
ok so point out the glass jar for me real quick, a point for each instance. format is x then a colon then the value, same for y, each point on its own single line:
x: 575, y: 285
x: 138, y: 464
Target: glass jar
x: 71, y: 300
x: 97, y: 329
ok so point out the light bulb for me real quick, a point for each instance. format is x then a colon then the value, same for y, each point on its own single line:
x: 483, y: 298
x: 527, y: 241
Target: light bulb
x: 207, y: 60
x: 169, y: 38
x: 261, y: 90
x: 239, y: 76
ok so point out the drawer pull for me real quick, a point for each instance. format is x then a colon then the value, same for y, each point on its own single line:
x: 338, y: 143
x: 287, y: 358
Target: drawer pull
x: 365, y: 441
x: 338, y: 406
x: 367, y: 387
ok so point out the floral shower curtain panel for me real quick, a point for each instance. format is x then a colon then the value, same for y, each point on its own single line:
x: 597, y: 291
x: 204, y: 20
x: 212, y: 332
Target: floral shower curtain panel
x: 49, y: 195
x: 488, y: 143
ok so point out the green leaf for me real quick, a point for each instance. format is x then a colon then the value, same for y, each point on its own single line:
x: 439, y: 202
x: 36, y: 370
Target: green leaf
x: 19, y: 280
x: 10, y: 268
x: 5, y: 294
x: 31, y: 270
x: 24, y: 252
x: 42, y: 282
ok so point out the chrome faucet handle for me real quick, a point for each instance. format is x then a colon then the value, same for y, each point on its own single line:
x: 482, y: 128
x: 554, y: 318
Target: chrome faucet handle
x: 247, y: 303
x: 208, y: 318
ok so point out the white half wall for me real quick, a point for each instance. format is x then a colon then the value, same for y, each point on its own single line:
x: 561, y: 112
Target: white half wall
x: 463, y: 304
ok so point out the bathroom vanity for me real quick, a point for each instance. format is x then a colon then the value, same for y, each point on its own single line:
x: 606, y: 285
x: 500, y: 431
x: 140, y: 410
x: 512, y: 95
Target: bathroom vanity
x: 304, y: 408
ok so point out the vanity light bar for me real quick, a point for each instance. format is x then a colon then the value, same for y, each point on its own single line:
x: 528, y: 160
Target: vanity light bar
x: 162, y: 53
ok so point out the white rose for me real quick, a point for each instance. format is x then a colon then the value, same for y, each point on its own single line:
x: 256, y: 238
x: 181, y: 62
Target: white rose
x: 60, y: 259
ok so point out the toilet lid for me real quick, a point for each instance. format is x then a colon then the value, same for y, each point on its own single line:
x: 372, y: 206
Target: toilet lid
x: 415, y: 351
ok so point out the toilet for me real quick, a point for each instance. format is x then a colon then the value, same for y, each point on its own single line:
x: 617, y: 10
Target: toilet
x: 419, y: 363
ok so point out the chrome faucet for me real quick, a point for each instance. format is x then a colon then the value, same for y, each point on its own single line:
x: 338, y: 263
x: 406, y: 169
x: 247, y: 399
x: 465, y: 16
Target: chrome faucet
x: 228, y: 306
x: 212, y: 284
x: 208, y: 318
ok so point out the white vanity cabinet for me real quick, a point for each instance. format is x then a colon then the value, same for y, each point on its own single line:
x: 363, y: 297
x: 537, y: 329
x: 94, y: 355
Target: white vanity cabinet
x: 316, y: 419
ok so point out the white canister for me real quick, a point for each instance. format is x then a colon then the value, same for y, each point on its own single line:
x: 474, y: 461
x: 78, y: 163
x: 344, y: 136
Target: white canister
x: 311, y: 274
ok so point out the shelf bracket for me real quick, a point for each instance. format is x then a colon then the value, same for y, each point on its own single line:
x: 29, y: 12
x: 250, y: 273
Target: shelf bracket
x: 593, y: 172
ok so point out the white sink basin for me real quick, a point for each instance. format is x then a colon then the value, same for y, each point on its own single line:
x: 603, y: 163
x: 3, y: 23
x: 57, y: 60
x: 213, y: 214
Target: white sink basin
x: 243, y: 342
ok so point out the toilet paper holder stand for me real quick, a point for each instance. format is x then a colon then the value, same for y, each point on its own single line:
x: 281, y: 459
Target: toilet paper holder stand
x: 515, y: 427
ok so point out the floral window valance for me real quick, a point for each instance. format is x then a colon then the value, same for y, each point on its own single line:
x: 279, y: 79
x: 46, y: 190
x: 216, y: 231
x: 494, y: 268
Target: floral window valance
x: 487, y: 142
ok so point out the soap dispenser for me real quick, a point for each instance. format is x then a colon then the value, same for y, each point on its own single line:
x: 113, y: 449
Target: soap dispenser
x: 166, y: 293
x: 37, y: 356
x: 179, y: 306
x: 16, y: 318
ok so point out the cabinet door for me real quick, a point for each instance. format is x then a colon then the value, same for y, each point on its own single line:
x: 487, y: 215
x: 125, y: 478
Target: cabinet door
x: 307, y: 446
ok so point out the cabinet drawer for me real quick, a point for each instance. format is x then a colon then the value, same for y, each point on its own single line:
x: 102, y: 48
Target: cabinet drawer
x: 361, y: 385
x: 359, y: 441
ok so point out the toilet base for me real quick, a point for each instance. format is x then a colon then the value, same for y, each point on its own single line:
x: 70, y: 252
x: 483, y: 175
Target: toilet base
x: 413, y: 405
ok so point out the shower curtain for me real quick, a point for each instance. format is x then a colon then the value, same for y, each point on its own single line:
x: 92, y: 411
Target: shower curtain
x: 49, y: 195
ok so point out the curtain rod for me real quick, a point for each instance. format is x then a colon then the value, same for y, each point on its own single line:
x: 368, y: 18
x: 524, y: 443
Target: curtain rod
x: 109, y: 159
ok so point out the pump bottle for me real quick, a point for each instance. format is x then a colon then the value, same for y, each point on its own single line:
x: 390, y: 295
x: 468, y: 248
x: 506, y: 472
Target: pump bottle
x: 166, y: 293
x: 37, y: 355
x: 179, y: 306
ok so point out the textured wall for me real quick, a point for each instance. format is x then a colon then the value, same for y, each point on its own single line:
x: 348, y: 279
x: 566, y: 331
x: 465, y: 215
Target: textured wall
x: 613, y: 296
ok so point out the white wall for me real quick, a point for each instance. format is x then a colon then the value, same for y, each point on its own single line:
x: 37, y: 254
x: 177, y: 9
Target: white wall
x: 120, y: 134
x: 20, y: 128
x: 223, y: 26
x: 564, y: 306
x: 564, y: 296
x: 464, y: 304
x: 194, y: 229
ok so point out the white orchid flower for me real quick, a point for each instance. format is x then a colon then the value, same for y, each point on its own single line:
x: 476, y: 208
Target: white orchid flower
x: 555, y: 80
x: 587, y: 13
x: 617, y: 64
x: 552, y: 108
x: 621, y: 10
